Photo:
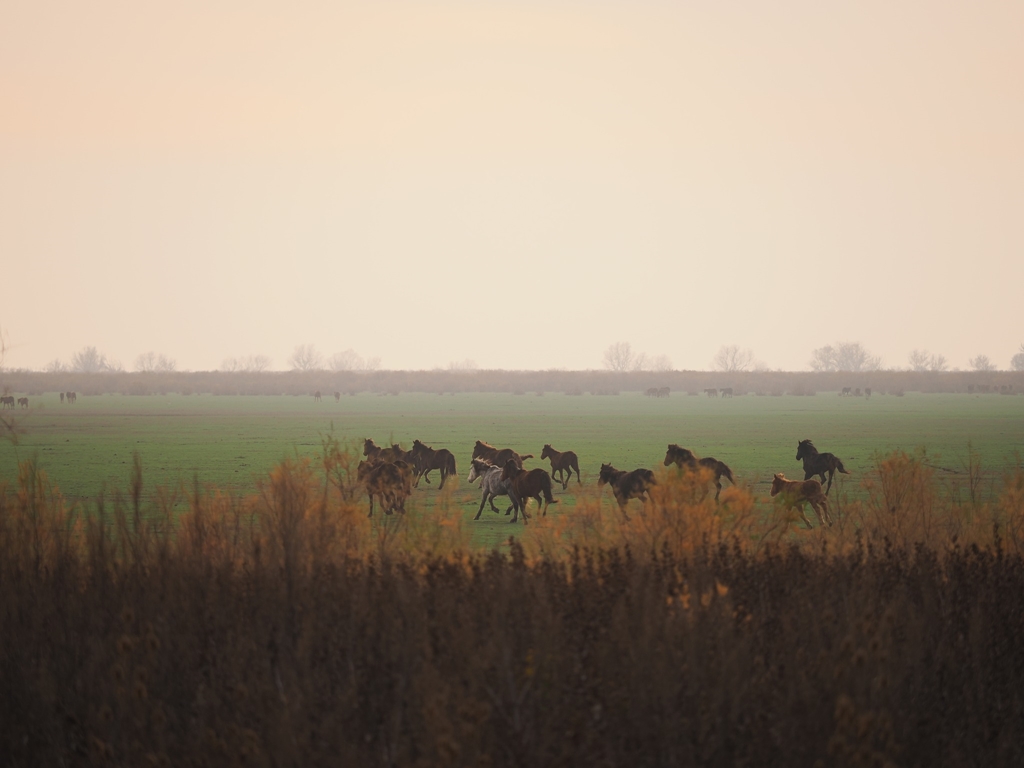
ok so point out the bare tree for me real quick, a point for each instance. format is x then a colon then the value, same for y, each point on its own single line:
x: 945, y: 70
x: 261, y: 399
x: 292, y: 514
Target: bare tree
x: 256, y: 364
x: 619, y: 357
x: 919, y: 359
x: 844, y: 356
x: 89, y: 360
x: 1017, y: 361
x: 982, y: 363
x: 56, y: 366
x: 166, y: 364
x: 349, y: 360
x: 306, y: 357
x: 462, y: 365
x: 662, y: 364
x: 146, y: 362
x: 372, y: 364
x: 231, y: 364
x: 114, y: 366
x: 732, y: 358
x: 922, y: 360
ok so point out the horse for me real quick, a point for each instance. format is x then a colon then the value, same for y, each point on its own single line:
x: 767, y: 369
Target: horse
x: 524, y: 485
x: 498, y: 456
x: 846, y: 392
x: 316, y: 396
x: 627, y: 485
x: 818, y: 464
x: 795, y: 492
x: 337, y: 397
x: 7, y: 401
x: 62, y: 398
x: 23, y: 402
x: 390, y: 482
x: 377, y: 454
x: 72, y: 397
x: 726, y: 391
x: 562, y: 463
x: 663, y: 392
x: 711, y: 392
x: 491, y: 484
x: 426, y: 460
x: 685, y: 459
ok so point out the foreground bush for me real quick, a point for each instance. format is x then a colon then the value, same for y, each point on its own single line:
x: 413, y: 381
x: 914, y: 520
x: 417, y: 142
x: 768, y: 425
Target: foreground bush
x: 285, y: 629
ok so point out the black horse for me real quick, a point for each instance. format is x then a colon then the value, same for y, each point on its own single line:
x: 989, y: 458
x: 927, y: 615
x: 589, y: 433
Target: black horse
x: 819, y: 464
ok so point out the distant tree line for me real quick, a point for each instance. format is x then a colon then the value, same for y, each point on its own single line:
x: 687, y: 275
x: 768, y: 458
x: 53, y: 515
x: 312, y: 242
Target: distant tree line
x: 452, y: 380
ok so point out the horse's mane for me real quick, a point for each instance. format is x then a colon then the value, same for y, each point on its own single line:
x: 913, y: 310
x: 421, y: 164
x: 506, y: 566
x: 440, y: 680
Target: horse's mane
x: 482, y: 444
x: 478, y: 463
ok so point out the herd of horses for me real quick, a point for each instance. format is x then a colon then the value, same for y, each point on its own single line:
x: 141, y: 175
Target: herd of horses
x: 7, y: 401
x: 390, y: 473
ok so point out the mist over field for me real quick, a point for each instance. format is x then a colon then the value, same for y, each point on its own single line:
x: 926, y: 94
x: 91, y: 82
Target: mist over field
x: 511, y: 185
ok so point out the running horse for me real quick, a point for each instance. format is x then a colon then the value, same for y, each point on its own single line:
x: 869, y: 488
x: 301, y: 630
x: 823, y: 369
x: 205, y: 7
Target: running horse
x: 685, y: 459
x: 819, y: 464
x: 627, y: 485
x: 562, y: 465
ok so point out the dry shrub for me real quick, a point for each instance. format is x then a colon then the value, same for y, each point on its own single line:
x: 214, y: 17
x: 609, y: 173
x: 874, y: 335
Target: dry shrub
x: 286, y: 628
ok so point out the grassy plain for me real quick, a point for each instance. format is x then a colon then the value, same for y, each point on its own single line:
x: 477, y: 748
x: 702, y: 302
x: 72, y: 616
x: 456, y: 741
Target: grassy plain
x: 230, y: 442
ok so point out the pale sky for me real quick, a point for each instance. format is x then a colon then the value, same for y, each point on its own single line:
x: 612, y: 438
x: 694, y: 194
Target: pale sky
x: 516, y: 183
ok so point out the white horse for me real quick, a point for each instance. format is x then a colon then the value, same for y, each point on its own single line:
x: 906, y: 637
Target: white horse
x: 491, y: 484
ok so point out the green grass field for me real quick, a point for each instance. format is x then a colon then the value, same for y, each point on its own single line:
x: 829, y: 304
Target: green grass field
x: 230, y: 441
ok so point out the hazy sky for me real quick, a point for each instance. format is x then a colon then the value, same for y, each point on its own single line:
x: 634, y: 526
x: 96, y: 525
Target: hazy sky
x: 517, y: 183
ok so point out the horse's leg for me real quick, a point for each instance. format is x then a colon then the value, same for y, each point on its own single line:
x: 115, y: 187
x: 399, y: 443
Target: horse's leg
x: 444, y: 475
x: 799, y: 506
x: 831, y: 474
x: 718, y: 485
x: 371, y: 505
x: 483, y: 500
x: 426, y: 474
x: 578, y: 481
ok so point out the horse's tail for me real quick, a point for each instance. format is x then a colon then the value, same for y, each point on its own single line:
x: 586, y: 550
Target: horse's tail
x: 548, y: 497
x: 526, y: 456
x: 449, y: 464
x: 726, y: 472
x: 841, y: 468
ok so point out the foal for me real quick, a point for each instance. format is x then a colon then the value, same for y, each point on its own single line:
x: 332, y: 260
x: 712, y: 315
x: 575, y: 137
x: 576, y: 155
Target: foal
x: 524, y: 485
x: 562, y: 465
x: 795, y: 492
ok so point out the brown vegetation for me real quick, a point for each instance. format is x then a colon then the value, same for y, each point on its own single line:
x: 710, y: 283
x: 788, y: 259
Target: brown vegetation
x: 287, y: 629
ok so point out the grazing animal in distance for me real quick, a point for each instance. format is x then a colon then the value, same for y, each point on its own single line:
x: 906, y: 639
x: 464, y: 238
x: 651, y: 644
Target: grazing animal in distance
x: 795, y: 492
x: 491, y: 485
x: 426, y: 460
x: 337, y: 397
x: 819, y: 464
x: 389, y: 482
x: 627, y: 485
x: 62, y: 398
x: 7, y: 401
x: 527, y: 484
x: 71, y: 397
x: 867, y: 393
x: 726, y: 391
x: 711, y: 392
x: 846, y: 392
x: 23, y: 402
x: 562, y: 465
x: 316, y: 396
x: 498, y: 456
x: 685, y: 459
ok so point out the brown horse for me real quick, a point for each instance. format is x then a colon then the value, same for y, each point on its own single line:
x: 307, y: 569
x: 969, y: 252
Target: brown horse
x: 426, y: 460
x: 524, y: 485
x: 684, y: 459
x: 498, y: 456
x: 316, y: 396
x: 819, y: 464
x: 627, y: 485
x: 795, y: 492
x: 562, y: 465
x: 337, y: 397
x: 389, y: 482
x: 62, y: 398
x: 23, y: 402
x: 7, y: 401
x: 71, y: 397
x: 376, y: 454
